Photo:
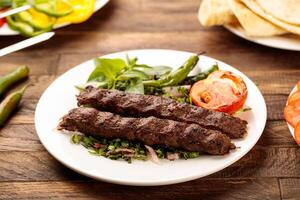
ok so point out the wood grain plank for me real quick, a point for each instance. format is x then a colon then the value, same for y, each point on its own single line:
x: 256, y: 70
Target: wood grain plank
x: 279, y: 82
x: 32, y: 166
x: 219, y: 44
x: 265, y: 161
x: 275, y: 106
x: 290, y: 188
x: 38, y: 65
x: 276, y: 134
x: 19, y: 138
x: 174, y: 6
x: 199, y: 189
x: 118, y: 20
x: 39, y: 84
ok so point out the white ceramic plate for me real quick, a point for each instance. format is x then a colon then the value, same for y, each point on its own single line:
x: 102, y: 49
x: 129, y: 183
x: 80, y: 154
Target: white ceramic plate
x: 287, y: 42
x: 290, y: 127
x: 59, y: 98
x: 6, y: 31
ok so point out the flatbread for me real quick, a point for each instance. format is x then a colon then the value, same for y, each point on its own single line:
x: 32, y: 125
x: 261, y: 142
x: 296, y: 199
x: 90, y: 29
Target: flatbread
x: 215, y: 12
x: 285, y: 10
x: 252, y: 5
x: 253, y: 24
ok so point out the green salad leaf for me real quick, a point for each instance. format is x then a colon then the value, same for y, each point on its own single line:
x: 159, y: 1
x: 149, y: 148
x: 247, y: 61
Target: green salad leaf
x: 106, y: 72
x: 125, y: 75
x: 135, y: 86
x: 154, y: 72
x: 133, y: 74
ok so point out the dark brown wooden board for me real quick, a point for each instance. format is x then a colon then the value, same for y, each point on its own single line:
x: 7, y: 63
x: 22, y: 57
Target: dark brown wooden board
x: 269, y: 171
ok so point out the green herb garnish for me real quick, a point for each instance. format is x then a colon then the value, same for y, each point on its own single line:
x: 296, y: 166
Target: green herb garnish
x: 116, y: 149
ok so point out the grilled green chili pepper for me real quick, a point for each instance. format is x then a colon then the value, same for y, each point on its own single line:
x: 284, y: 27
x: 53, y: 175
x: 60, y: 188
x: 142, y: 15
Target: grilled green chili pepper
x: 10, y: 103
x: 13, y: 77
x: 201, y: 76
x: 175, y: 77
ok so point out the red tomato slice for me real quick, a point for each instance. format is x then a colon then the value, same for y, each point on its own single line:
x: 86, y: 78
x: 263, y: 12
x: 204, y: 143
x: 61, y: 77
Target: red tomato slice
x: 221, y: 91
x: 294, y: 98
x: 297, y: 133
x: 292, y: 114
x: 2, y: 21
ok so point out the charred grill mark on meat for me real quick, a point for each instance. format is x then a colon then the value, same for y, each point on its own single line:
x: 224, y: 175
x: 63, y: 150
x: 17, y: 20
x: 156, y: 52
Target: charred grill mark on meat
x: 129, y: 104
x: 150, y: 130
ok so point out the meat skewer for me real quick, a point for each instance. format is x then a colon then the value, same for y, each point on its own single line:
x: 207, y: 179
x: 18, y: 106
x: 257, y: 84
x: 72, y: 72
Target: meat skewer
x: 150, y: 130
x: 130, y: 104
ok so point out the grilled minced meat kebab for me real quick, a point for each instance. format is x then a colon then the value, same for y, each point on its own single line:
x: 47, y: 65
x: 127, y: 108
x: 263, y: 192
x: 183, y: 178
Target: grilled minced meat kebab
x: 150, y: 130
x: 130, y: 104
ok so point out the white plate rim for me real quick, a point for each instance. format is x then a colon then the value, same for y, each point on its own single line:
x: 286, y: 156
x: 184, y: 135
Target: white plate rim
x: 8, y: 32
x: 150, y: 183
x: 284, y: 42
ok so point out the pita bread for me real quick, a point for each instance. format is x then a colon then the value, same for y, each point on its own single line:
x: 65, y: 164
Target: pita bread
x: 252, y: 5
x: 253, y: 24
x: 215, y: 12
x: 285, y: 10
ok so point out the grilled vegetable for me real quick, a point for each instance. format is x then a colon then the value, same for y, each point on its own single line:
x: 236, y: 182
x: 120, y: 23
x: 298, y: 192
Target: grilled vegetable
x: 13, y: 77
x: 176, y: 77
x: 221, y: 91
x: 202, y: 75
x: 9, y: 104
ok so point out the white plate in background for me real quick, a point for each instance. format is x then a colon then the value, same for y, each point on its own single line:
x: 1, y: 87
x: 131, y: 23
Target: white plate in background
x: 287, y: 42
x: 6, y: 31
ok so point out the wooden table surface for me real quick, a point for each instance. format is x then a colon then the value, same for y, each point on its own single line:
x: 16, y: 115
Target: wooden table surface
x: 271, y: 170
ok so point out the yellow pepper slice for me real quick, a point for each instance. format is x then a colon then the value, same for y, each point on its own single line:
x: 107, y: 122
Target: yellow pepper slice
x: 41, y: 20
x: 36, y: 19
x: 82, y: 10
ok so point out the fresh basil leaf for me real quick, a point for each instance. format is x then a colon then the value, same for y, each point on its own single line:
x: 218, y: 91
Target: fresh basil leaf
x: 143, y: 66
x: 133, y: 74
x: 131, y: 62
x: 135, y: 86
x: 106, y: 71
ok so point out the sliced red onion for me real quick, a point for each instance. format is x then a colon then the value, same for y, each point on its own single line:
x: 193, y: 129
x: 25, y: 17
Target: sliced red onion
x: 174, y: 90
x: 124, y: 150
x: 172, y: 156
x: 152, y: 154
